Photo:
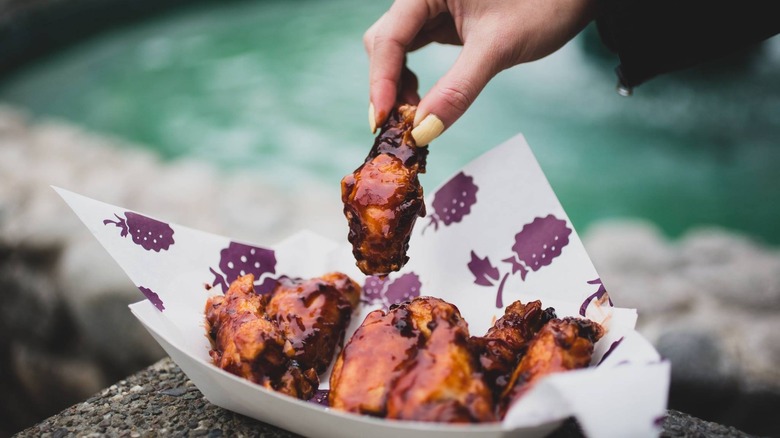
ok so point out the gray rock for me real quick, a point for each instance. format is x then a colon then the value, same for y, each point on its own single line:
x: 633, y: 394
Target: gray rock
x: 718, y: 281
x: 732, y: 268
x: 31, y: 306
x: 98, y: 293
x: 639, y: 267
x: 697, y: 358
x: 53, y: 379
x: 629, y: 246
x: 196, y: 416
x: 680, y: 425
x: 759, y: 349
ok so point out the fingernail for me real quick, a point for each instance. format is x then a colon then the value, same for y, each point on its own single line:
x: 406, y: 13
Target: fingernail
x: 371, y: 118
x: 430, y: 128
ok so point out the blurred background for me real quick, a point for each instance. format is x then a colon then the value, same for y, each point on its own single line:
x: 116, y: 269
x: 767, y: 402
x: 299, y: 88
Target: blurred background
x: 240, y: 118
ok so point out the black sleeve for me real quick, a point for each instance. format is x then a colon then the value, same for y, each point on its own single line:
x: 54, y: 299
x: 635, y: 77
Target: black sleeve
x: 653, y: 37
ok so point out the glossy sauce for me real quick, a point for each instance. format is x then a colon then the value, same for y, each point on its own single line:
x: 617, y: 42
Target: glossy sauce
x: 383, y: 197
x: 283, y: 339
x: 561, y: 345
x: 377, y: 354
x: 313, y: 316
x: 442, y: 384
x: 505, y: 342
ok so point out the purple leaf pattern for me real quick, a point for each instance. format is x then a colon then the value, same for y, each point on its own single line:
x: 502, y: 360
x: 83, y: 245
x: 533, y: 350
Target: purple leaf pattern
x: 516, y: 266
x: 484, y: 272
x: 239, y: 259
x: 152, y: 297
x: 148, y: 233
x: 535, y: 246
x: 453, y: 201
x: 387, y: 292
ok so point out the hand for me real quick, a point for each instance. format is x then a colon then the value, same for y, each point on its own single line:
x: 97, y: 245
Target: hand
x: 495, y: 35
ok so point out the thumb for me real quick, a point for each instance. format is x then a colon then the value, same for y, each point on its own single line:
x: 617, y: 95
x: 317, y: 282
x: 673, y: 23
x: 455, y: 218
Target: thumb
x: 454, y: 92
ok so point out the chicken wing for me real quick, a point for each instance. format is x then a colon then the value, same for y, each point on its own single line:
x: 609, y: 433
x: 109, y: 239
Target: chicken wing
x: 281, y: 340
x: 313, y: 315
x: 561, y: 345
x: 375, y: 356
x: 383, y: 197
x: 244, y: 341
x: 411, y: 363
x: 505, y: 342
x: 442, y: 383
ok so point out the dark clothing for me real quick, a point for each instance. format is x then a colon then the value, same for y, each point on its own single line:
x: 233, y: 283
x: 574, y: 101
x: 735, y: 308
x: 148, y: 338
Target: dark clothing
x: 653, y: 37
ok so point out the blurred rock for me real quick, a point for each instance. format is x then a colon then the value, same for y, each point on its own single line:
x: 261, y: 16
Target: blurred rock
x: 629, y: 246
x: 698, y: 359
x: 638, y: 267
x: 708, y: 301
x: 53, y: 379
x: 98, y: 295
x: 732, y: 268
x: 30, y: 299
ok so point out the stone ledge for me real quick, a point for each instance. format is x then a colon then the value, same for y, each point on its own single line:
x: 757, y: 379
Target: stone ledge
x: 161, y: 401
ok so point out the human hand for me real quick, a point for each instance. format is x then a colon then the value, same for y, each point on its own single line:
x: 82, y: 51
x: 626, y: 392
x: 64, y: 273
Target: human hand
x: 495, y: 35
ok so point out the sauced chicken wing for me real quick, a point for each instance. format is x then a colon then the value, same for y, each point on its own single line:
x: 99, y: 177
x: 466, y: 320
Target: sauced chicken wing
x: 561, y: 345
x: 412, y: 363
x: 244, y: 341
x: 376, y: 355
x: 442, y: 383
x: 500, y: 349
x: 383, y: 197
x: 313, y: 315
x: 417, y: 362
x: 283, y: 339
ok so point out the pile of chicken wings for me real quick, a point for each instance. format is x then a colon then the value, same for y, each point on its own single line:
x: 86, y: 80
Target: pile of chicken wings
x: 418, y: 362
x: 414, y: 361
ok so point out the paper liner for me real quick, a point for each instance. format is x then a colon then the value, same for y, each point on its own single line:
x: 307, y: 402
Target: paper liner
x: 495, y: 233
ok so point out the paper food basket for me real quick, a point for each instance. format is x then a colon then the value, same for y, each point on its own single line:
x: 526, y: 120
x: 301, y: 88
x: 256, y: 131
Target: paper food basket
x: 495, y: 233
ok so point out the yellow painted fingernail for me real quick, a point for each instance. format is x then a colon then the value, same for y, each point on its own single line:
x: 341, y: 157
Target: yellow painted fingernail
x: 371, y: 118
x: 430, y: 128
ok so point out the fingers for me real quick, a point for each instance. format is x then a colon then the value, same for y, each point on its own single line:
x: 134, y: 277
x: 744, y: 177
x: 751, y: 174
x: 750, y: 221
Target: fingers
x: 454, y: 93
x: 384, y: 75
x: 495, y: 34
x: 407, y: 93
x: 387, y: 43
x: 408, y: 25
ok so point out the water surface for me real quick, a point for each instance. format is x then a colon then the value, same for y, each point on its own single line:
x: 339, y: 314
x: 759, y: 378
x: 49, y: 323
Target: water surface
x: 280, y: 87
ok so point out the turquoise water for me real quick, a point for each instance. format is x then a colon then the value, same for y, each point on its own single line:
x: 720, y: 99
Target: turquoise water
x: 280, y: 87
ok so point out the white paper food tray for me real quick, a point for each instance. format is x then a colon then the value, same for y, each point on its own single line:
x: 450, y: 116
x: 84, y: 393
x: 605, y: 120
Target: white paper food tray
x: 495, y: 233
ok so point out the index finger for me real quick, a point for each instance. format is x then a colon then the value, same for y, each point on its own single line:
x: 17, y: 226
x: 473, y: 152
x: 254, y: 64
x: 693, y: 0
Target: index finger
x: 387, y: 47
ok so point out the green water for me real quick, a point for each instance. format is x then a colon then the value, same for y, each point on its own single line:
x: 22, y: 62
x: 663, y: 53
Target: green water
x: 280, y: 87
